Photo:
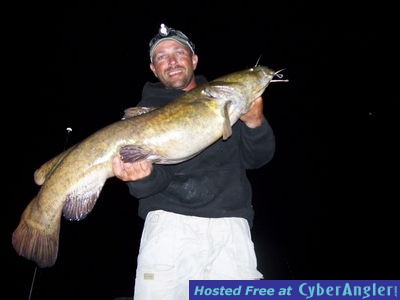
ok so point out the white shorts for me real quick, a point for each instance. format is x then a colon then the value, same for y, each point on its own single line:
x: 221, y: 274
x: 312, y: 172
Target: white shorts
x: 175, y: 249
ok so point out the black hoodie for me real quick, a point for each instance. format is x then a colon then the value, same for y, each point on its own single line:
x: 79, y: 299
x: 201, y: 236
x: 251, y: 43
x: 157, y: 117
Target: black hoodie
x: 213, y: 184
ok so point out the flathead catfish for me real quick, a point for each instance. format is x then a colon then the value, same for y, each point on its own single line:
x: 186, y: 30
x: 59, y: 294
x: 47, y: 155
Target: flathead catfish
x: 72, y: 181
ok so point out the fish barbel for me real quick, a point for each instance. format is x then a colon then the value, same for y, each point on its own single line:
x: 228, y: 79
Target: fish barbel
x: 72, y: 181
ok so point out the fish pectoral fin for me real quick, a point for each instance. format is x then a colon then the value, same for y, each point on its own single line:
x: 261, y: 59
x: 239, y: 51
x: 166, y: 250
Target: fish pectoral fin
x: 219, y: 90
x: 82, y: 199
x: 136, y: 111
x: 134, y: 153
x: 227, y: 129
x: 222, y: 93
x: 213, y: 92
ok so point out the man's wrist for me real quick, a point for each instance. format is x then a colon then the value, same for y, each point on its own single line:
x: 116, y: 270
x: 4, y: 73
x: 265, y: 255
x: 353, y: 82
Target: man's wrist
x: 254, y: 123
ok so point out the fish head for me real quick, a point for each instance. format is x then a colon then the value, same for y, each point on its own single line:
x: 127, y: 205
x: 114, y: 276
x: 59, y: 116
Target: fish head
x: 252, y: 82
x: 258, y: 79
x: 242, y: 88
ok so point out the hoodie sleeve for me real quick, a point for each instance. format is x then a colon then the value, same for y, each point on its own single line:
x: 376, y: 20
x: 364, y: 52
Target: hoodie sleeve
x: 258, y: 145
x: 157, y: 181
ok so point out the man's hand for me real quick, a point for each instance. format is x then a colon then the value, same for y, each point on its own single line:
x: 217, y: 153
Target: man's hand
x: 254, y: 117
x: 131, y: 171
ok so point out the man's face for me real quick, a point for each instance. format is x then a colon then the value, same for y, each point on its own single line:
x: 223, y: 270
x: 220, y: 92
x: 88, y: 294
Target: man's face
x: 173, y: 64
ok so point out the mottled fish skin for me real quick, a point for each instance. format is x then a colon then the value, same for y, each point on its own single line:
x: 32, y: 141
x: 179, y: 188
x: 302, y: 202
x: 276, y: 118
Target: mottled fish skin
x: 72, y: 181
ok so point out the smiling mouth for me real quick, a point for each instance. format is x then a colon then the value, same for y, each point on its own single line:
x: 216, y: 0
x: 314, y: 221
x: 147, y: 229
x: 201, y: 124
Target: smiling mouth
x: 175, y: 71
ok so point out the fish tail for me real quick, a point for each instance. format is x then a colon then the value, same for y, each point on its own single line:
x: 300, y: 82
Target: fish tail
x: 35, y: 244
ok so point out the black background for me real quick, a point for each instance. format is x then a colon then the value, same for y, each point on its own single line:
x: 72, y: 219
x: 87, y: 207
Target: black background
x: 326, y: 205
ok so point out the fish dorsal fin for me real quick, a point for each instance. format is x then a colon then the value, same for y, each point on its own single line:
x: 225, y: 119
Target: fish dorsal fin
x: 48, y: 167
x: 227, y: 130
x: 136, y: 111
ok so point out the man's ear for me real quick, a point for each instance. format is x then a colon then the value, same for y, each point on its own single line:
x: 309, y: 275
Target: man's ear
x: 195, y: 60
x: 153, y: 69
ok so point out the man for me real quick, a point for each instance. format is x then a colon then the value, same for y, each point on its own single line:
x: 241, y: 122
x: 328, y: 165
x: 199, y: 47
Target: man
x: 198, y: 213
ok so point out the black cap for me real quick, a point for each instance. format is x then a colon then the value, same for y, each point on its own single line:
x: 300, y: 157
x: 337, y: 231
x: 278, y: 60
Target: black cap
x: 167, y: 33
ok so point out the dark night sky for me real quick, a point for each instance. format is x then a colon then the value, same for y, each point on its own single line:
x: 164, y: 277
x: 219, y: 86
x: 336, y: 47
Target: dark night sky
x: 325, y: 205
